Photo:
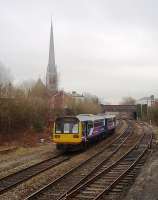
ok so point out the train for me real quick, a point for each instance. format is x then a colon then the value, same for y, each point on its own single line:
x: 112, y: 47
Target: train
x: 76, y: 132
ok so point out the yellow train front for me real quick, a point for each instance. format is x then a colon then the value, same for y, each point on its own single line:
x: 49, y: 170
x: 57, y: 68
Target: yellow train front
x: 73, y: 133
x: 67, y: 133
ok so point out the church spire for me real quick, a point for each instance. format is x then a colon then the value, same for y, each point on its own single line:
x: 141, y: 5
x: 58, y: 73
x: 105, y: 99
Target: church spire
x: 51, y: 61
x: 51, y: 76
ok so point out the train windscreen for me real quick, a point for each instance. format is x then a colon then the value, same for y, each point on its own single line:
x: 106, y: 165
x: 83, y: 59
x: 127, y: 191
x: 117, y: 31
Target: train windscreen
x: 66, y: 126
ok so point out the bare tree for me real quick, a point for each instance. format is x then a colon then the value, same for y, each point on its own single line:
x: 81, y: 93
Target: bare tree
x: 27, y: 85
x: 128, y: 101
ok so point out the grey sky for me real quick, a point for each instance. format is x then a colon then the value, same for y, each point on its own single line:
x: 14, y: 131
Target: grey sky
x: 105, y: 47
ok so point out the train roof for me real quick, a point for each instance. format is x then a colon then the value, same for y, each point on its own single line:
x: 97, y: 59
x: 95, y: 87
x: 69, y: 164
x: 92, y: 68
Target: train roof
x: 91, y: 117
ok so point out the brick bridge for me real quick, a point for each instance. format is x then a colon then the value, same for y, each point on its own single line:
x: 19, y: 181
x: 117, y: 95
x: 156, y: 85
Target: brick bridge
x: 119, y: 108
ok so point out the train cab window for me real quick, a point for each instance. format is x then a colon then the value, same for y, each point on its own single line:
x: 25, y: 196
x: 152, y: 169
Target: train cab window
x: 75, y: 128
x: 67, y: 125
x: 72, y: 127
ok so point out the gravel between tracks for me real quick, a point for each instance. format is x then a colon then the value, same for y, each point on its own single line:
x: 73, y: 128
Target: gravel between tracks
x: 24, y: 157
x: 35, y: 183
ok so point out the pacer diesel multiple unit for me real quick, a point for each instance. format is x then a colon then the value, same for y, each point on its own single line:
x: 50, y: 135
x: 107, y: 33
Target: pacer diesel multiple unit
x: 71, y: 133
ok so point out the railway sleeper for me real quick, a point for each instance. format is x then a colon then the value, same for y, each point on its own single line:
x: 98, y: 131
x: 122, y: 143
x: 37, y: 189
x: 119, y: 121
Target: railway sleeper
x: 78, y: 177
x: 119, y: 186
x: 124, y: 163
x: 124, y: 181
x: 128, y: 178
x: 105, y: 166
x: 82, y: 197
x: 111, y: 195
x: 97, y: 186
x: 90, y: 192
x: 100, y: 182
x: 116, y: 190
x: 122, y: 166
x: 131, y: 175
x: 95, y: 189
x: 130, y: 159
x: 109, y: 178
x: 121, y: 169
x: 113, y: 172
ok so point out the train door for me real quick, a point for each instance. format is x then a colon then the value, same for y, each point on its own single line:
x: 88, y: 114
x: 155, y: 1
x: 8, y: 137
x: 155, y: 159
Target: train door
x: 84, y: 129
x: 114, y: 122
x: 105, y: 125
x: 89, y: 128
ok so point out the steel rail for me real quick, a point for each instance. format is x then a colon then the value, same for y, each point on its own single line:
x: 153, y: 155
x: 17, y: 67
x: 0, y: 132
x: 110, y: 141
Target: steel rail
x: 104, y: 173
x: 107, y: 189
x: 98, y: 175
x: 18, y: 177
x: 115, y: 182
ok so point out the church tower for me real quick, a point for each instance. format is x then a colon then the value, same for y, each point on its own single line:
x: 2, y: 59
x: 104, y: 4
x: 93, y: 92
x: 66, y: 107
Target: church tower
x: 51, y: 76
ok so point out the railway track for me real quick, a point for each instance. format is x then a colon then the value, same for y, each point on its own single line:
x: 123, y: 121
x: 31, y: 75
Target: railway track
x: 58, y: 188
x: 106, y: 183
x: 12, y: 180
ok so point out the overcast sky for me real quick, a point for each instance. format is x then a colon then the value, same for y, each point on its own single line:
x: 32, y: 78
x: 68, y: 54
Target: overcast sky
x: 105, y: 47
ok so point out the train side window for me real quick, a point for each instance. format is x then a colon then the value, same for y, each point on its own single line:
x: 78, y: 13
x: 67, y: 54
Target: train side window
x: 99, y: 123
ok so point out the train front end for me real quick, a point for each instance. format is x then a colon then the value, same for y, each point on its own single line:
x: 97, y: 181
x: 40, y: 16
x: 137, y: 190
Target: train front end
x: 67, y: 133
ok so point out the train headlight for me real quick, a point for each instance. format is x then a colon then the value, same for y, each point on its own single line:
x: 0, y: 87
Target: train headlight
x: 75, y: 136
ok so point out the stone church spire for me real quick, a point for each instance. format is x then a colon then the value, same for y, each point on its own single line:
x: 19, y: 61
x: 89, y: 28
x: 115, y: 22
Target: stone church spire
x: 51, y: 76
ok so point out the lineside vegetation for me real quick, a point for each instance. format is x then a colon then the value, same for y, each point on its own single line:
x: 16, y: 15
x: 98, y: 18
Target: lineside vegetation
x: 24, y: 108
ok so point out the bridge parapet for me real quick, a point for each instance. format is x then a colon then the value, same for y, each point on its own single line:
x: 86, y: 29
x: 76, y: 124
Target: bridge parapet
x: 119, y: 108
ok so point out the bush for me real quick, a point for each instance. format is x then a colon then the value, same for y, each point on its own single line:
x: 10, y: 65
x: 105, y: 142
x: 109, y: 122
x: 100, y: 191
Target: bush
x: 38, y: 125
x: 22, y: 109
x: 23, y: 113
x: 153, y: 114
x: 84, y: 106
